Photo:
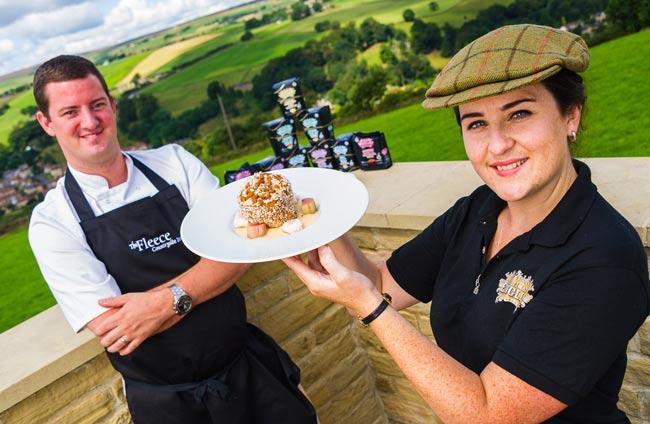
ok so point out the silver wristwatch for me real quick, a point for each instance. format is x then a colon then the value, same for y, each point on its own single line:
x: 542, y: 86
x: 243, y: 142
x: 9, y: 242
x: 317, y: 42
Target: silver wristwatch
x: 182, y: 301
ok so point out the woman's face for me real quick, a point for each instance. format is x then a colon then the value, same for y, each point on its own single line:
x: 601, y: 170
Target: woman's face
x: 517, y: 143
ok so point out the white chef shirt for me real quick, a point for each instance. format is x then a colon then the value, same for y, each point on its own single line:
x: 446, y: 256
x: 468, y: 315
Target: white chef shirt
x: 75, y: 276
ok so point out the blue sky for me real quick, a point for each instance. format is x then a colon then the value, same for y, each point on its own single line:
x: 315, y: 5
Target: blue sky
x: 32, y: 31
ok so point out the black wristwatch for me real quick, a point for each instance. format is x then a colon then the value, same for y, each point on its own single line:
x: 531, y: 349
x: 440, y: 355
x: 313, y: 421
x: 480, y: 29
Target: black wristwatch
x: 182, y: 301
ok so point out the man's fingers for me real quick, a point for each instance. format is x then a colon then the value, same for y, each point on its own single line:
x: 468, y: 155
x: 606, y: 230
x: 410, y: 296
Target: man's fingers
x: 130, y: 347
x: 113, y: 302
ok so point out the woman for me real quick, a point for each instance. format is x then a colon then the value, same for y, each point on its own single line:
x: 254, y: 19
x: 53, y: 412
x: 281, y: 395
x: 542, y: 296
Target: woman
x: 536, y: 283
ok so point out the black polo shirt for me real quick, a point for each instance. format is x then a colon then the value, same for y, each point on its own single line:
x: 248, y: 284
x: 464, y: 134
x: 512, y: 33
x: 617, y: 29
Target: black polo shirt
x: 556, y: 307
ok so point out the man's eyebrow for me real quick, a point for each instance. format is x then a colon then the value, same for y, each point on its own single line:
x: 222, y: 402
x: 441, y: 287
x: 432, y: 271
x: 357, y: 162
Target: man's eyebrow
x: 502, y: 108
x: 73, y: 107
x: 66, y: 108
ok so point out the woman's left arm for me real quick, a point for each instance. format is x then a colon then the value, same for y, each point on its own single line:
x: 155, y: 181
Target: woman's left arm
x: 454, y: 392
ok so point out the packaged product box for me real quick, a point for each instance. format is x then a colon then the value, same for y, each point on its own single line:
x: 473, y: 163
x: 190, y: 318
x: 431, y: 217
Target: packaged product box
x: 343, y: 153
x: 371, y: 150
x: 299, y: 159
x: 271, y: 163
x: 316, y: 122
x: 281, y: 133
x: 289, y: 96
x: 245, y: 170
x: 321, y: 155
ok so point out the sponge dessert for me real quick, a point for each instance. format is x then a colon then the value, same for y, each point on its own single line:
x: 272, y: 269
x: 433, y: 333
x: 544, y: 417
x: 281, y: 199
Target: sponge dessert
x: 268, y: 198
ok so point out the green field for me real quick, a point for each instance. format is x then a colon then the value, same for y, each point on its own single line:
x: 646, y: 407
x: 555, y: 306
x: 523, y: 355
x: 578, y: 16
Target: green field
x: 26, y: 291
x: 615, y: 122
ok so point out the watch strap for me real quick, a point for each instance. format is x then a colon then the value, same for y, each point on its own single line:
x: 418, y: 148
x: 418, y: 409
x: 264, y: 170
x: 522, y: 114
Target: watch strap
x: 387, y: 300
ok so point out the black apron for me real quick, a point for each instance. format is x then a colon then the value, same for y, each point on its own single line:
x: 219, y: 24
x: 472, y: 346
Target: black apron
x: 211, y: 367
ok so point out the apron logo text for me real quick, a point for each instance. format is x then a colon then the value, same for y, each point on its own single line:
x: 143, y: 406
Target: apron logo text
x: 160, y: 242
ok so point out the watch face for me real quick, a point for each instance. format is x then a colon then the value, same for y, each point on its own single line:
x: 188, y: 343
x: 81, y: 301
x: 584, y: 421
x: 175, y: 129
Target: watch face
x: 184, y: 304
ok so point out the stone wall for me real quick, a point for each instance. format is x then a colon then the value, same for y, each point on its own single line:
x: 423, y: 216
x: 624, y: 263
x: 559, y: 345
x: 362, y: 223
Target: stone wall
x: 49, y: 375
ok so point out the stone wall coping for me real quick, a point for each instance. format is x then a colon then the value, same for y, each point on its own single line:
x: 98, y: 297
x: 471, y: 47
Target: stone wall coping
x: 406, y: 196
x: 410, y: 195
x: 39, y: 351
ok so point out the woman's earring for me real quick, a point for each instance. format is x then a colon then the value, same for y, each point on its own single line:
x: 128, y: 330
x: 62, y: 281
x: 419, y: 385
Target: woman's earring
x: 572, y: 137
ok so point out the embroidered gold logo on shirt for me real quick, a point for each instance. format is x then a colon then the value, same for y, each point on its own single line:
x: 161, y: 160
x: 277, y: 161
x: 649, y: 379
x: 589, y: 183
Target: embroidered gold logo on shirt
x: 515, y: 288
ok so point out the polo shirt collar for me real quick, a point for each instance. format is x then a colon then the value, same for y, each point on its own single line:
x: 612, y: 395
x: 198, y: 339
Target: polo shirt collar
x: 563, y: 220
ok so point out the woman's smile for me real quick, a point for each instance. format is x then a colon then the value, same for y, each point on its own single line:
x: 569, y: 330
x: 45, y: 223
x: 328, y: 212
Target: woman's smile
x: 507, y: 168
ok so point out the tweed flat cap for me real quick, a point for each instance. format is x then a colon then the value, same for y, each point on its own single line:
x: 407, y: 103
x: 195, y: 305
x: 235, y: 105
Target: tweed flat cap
x: 504, y: 60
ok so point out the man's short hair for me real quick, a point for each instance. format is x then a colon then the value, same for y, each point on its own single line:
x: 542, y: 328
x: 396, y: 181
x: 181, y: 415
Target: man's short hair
x: 59, y: 69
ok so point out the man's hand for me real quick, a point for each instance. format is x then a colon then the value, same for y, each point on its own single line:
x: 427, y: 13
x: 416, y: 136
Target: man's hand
x: 132, y: 319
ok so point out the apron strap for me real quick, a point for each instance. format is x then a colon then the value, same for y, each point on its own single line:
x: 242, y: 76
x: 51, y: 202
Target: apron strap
x: 80, y: 202
x: 77, y: 197
x: 198, y: 390
x: 155, y: 179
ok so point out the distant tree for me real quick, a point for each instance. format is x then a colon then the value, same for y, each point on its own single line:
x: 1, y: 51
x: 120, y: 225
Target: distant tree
x: 247, y: 36
x: 216, y: 90
x: 126, y: 113
x: 368, y: 30
x: 408, y: 15
x: 25, y: 142
x: 470, y: 31
x: 368, y: 89
x: 386, y: 55
x: 4, y: 108
x: 448, y: 41
x: 342, y: 51
x: 322, y: 26
x: 425, y: 37
x: 136, y: 80
x: 299, y: 10
x: 317, y: 7
x: 417, y: 67
x: 252, y: 24
x: 146, y: 106
x: 433, y: 6
x: 629, y: 15
x: 29, y: 110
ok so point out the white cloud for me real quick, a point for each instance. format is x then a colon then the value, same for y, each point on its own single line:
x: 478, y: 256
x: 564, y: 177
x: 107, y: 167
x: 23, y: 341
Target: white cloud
x: 67, y: 20
x: 11, y: 10
x: 6, y: 46
x: 38, y: 30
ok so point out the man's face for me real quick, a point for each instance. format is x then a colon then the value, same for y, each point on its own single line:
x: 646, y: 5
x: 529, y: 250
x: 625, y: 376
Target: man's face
x: 82, y: 118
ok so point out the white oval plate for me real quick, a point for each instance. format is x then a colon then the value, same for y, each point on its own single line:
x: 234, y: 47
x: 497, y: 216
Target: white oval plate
x: 208, y: 230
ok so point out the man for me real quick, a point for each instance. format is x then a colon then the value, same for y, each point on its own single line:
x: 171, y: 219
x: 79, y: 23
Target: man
x: 107, y: 240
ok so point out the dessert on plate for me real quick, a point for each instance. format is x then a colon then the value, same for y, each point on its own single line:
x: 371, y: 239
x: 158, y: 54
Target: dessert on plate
x: 267, y: 201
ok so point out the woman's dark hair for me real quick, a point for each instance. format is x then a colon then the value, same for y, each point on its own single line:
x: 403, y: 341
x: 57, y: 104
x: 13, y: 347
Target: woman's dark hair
x: 567, y: 89
x: 59, y: 69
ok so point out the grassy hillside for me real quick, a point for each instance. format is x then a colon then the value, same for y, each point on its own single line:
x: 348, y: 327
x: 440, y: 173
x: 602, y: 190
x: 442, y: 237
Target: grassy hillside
x: 21, y: 281
x: 617, y: 82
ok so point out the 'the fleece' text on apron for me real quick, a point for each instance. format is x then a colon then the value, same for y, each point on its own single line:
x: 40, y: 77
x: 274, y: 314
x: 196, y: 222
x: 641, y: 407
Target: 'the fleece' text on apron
x: 160, y: 242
